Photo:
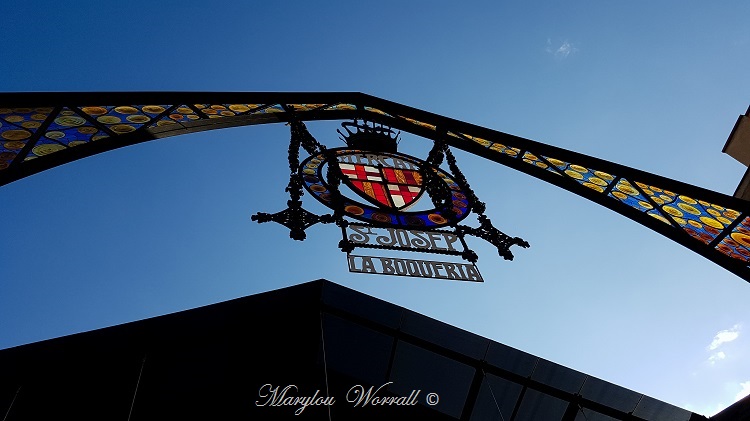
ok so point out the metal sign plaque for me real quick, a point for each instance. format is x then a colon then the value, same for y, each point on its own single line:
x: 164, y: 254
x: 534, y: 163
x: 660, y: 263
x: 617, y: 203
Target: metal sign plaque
x: 411, y: 267
x: 424, y: 241
x: 369, y: 181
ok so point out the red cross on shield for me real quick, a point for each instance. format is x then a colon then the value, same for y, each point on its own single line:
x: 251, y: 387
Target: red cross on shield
x: 388, y: 187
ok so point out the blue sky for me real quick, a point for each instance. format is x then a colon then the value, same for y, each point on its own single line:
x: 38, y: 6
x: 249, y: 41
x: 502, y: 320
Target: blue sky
x: 165, y: 226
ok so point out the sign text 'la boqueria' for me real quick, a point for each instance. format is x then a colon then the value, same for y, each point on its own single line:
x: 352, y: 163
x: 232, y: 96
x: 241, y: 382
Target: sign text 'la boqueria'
x: 410, y: 267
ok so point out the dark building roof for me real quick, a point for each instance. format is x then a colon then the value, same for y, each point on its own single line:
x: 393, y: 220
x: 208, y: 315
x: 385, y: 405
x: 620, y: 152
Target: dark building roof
x: 224, y: 361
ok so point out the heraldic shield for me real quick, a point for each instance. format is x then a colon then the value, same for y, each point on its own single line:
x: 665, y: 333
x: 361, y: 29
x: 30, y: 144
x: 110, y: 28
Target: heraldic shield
x: 383, y: 179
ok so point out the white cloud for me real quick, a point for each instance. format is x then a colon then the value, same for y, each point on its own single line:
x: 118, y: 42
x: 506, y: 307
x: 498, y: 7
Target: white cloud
x: 561, y: 51
x: 744, y: 391
x: 725, y: 336
x: 716, y: 356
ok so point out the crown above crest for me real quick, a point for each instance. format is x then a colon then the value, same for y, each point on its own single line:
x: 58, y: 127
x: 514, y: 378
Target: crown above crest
x: 369, y: 136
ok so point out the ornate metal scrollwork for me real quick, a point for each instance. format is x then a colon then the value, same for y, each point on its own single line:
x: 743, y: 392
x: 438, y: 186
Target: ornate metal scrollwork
x: 294, y: 216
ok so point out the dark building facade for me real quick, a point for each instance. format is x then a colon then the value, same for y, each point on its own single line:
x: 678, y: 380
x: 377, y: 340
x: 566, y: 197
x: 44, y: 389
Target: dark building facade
x: 312, y: 351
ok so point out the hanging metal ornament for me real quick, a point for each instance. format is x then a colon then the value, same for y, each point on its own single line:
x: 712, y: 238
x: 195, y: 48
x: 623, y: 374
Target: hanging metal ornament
x: 380, y: 209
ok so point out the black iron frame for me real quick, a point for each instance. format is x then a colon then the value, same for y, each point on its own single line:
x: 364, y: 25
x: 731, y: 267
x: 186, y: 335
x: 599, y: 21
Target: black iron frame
x: 393, y: 114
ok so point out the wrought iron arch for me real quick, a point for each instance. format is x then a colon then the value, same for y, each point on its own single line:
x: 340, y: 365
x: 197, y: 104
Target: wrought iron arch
x: 39, y: 131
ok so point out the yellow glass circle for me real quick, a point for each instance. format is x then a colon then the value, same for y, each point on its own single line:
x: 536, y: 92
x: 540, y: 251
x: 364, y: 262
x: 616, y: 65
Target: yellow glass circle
x: 574, y: 174
x: 153, y: 109
x: 579, y: 168
x: 657, y: 200
x: 556, y: 162
x: 723, y: 220
x: 604, y: 176
x: 14, y: 145
x: 126, y: 110
x: 627, y: 189
x: 46, y: 149
x: 619, y: 195
x: 15, y: 135
x: 711, y: 222
x: 31, y: 124
x: 672, y: 211
x: 55, y: 134
x: 713, y: 212
x: 694, y: 223
x: 108, y: 119
x: 732, y: 214
x: 96, y: 111
x: 645, y: 204
x: 484, y: 142
x: 688, y: 200
x: 70, y: 121
x: 741, y: 238
x: 138, y: 118
x: 680, y: 221
x: 600, y: 189
x: 240, y: 108
x: 598, y: 181
x: 123, y: 128
x: 689, y: 209
x: 14, y: 119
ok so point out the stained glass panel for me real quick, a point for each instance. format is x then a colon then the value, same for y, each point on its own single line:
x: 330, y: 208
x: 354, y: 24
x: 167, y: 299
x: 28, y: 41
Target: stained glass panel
x: 419, y: 123
x: 348, y: 107
x: 737, y: 243
x: 120, y: 119
x: 17, y: 126
x: 700, y: 219
x: 306, y: 107
x: 377, y: 111
x: 181, y: 114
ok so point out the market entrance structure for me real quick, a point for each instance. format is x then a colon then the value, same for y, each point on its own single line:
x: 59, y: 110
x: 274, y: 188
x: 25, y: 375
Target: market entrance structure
x: 42, y: 130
